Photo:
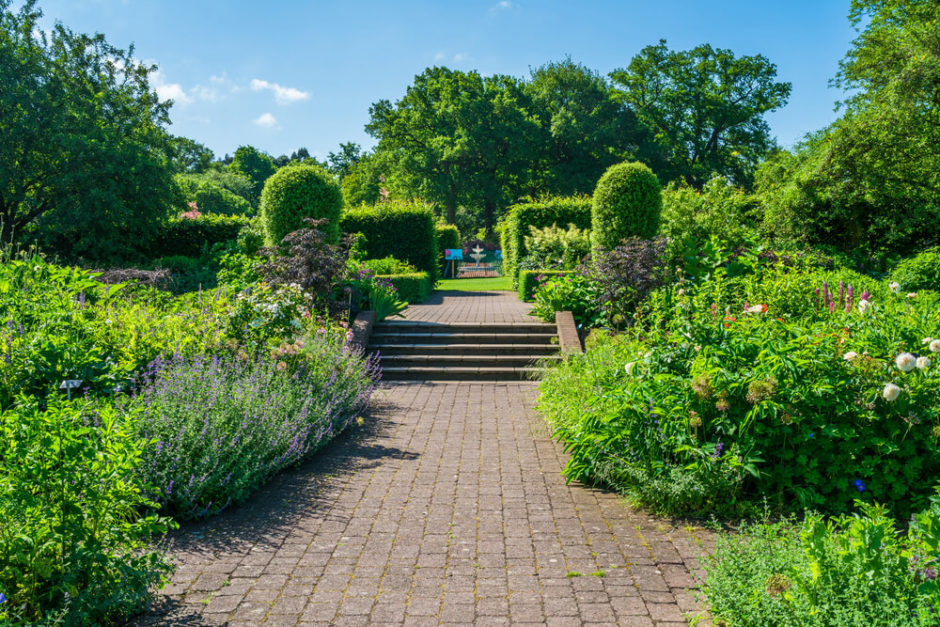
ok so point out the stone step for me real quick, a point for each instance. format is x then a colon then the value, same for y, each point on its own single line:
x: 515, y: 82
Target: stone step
x: 407, y: 326
x: 379, y: 338
x: 459, y: 361
x: 467, y: 349
x: 469, y: 373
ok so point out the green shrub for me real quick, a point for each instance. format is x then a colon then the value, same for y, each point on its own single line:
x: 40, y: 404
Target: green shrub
x: 571, y: 292
x: 297, y: 192
x: 447, y: 236
x: 177, y: 264
x: 412, y: 288
x: 720, y: 210
x: 388, y: 265
x: 627, y: 203
x: 573, y: 210
x: 856, y: 571
x: 920, y: 272
x: 210, y: 196
x: 555, y: 248
x: 530, y: 279
x: 191, y: 237
x: 221, y: 426
x: 75, y: 543
x: 402, y: 230
x: 791, y: 396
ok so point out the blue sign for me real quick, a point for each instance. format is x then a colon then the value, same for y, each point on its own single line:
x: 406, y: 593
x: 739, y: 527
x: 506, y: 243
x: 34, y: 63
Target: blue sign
x: 453, y: 254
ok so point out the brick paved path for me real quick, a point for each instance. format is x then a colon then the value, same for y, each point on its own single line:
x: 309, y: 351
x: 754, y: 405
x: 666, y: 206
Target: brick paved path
x: 451, y: 307
x: 447, y: 506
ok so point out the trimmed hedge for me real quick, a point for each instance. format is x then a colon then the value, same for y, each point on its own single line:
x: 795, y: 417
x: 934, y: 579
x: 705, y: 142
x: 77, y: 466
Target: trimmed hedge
x: 413, y: 287
x: 628, y: 202
x: 447, y: 237
x: 185, y: 237
x: 402, y: 230
x: 528, y: 281
x: 562, y: 211
x: 297, y: 192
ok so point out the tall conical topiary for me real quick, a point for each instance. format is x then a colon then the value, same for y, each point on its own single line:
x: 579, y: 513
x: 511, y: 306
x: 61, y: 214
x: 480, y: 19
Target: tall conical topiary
x: 297, y: 192
x: 627, y: 203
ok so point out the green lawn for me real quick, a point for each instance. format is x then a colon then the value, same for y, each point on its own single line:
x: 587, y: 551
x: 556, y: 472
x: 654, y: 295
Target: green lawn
x: 476, y: 285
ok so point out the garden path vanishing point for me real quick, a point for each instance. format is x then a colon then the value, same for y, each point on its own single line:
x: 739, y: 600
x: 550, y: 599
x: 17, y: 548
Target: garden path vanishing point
x: 447, y: 506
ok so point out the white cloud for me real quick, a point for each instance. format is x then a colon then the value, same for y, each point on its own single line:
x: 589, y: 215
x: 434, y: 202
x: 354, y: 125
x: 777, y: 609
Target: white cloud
x: 282, y: 95
x: 502, y: 6
x: 218, y: 88
x: 266, y: 120
x: 440, y: 56
x: 169, y: 91
x: 461, y: 56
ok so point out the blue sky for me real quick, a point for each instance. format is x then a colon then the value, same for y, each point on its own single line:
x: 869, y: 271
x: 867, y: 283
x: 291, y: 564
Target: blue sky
x: 288, y: 73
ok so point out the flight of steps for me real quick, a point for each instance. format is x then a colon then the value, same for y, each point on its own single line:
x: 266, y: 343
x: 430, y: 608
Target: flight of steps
x: 463, y: 352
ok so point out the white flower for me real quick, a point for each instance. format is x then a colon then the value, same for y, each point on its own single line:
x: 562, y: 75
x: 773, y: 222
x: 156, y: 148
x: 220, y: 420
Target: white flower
x: 681, y: 292
x: 864, y: 307
x: 849, y: 356
x: 935, y: 346
x: 629, y: 367
x: 895, y: 286
x: 926, y: 340
x: 755, y: 309
x: 905, y: 362
x: 923, y: 363
x: 891, y: 392
x: 912, y: 294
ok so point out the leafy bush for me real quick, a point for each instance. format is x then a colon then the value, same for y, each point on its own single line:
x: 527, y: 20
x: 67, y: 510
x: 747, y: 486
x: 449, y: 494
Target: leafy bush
x: 75, y: 543
x: 190, y: 237
x: 720, y: 210
x: 308, y: 260
x: 920, y: 272
x: 297, y: 192
x: 572, y: 292
x: 790, y: 395
x: 378, y: 294
x: 211, y: 197
x: 221, y: 426
x: 411, y: 287
x: 627, y: 203
x: 575, y: 210
x: 60, y: 323
x: 626, y: 274
x: 853, y: 570
x: 402, y: 230
x: 388, y: 265
x: 555, y: 248
x: 530, y: 279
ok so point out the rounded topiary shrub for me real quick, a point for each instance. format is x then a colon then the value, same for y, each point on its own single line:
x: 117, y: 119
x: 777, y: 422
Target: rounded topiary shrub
x: 297, y: 192
x: 627, y: 203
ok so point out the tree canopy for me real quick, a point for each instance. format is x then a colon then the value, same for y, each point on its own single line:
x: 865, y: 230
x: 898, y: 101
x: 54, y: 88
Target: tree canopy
x: 704, y: 108
x: 85, y: 157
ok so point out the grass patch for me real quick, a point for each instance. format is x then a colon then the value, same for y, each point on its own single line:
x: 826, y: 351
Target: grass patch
x: 500, y: 283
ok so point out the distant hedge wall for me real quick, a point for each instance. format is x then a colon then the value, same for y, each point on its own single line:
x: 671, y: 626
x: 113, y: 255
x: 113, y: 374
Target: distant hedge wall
x: 188, y: 237
x: 413, y: 287
x: 528, y: 281
x: 447, y: 237
x: 562, y: 211
x: 402, y: 230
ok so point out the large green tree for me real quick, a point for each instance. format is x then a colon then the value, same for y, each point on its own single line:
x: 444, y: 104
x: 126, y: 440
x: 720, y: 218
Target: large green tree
x: 457, y: 138
x: 583, y: 130
x: 704, y: 108
x: 84, y: 156
x: 871, y: 180
x: 256, y: 165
